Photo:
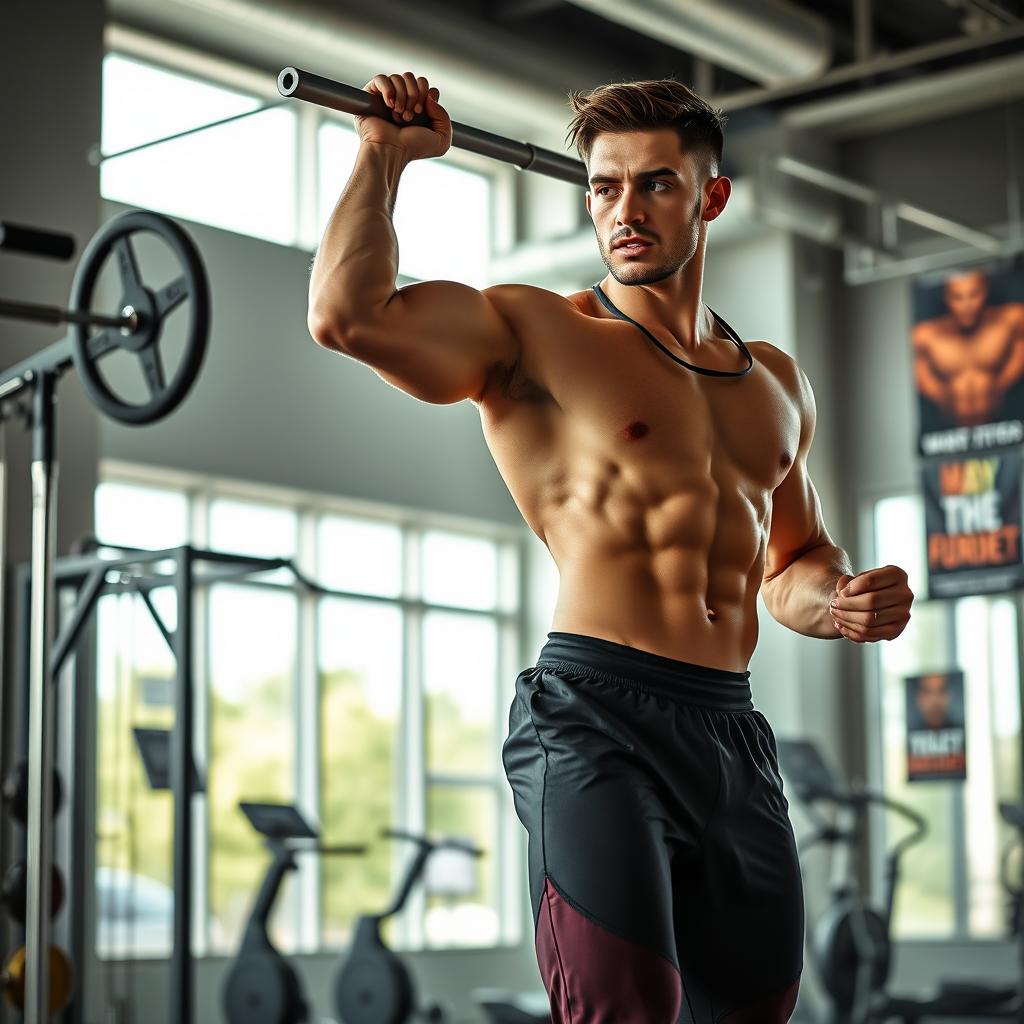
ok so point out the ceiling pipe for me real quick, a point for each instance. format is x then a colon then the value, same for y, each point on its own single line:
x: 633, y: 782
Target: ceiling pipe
x: 925, y: 63
x: 902, y: 104
x: 769, y: 41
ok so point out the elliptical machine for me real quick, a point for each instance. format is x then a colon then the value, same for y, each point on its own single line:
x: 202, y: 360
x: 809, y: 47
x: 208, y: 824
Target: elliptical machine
x: 851, y: 944
x: 262, y: 987
x: 374, y: 986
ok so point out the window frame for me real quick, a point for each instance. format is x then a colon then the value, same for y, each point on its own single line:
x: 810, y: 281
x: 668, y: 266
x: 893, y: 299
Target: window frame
x: 413, y: 778
x: 870, y: 660
x: 215, y: 70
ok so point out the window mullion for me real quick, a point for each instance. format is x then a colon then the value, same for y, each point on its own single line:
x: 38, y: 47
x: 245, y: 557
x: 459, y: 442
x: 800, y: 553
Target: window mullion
x: 307, y: 156
x: 307, y: 740
x: 198, y: 508
x: 413, y: 755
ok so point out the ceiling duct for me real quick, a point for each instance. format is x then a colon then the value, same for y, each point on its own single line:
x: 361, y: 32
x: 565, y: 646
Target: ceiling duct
x: 929, y: 97
x: 768, y: 41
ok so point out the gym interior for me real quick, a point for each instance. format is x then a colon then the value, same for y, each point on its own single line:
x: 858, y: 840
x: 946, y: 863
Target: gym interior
x: 299, y: 706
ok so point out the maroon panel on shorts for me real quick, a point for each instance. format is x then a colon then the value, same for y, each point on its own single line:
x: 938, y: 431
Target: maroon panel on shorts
x: 594, y: 977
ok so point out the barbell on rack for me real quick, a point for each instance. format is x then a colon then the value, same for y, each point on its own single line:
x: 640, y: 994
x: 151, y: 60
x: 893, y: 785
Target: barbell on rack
x: 136, y: 328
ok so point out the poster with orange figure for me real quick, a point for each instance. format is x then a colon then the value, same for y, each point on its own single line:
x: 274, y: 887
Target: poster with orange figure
x: 967, y: 344
x: 973, y: 522
x: 936, y: 741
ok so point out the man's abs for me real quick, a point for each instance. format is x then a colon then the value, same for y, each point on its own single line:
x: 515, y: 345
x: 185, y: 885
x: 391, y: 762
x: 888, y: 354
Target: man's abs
x: 649, y: 484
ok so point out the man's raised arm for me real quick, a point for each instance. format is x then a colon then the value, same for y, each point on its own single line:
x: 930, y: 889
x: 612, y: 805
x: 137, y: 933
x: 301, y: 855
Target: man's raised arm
x: 436, y: 340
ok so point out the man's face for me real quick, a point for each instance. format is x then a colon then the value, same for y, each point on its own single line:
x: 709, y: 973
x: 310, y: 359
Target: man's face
x: 933, y: 700
x: 965, y: 296
x: 664, y: 208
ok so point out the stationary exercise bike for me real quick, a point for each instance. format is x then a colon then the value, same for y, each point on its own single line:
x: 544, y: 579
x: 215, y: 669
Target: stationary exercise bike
x: 262, y: 987
x: 851, y: 945
x: 374, y: 986
x: 1012, y: 814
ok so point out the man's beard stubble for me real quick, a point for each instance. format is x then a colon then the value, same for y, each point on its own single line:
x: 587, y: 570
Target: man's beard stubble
x: 638, y: 273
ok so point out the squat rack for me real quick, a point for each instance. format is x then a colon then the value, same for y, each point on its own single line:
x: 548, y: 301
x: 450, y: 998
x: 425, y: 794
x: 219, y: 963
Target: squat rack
x: 90, y: 577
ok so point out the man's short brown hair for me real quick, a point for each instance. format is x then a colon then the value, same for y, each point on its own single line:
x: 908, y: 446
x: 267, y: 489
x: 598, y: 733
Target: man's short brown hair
x: 643, y: 106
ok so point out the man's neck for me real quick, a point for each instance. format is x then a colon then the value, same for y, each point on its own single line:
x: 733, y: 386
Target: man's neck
x: 673, y: 304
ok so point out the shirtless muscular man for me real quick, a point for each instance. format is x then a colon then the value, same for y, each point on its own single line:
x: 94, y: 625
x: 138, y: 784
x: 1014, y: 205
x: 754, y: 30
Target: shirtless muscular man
x: 663, y: 462
x: 968, y: 358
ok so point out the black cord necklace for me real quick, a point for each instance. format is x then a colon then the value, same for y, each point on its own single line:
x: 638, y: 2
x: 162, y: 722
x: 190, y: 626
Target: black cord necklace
x: 612, y: 308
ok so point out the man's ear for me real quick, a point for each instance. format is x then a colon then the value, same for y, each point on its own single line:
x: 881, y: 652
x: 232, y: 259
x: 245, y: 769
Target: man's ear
x: 718, y: 191
x: 588, y: 202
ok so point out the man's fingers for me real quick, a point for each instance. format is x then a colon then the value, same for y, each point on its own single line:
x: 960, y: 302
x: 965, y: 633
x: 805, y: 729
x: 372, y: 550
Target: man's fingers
x: 861, y: 634
x: 421, y: 88
x: 876, y: 600
x: 412, y: 94
x: 407, y: 94
x: 867, y: 620
x: 400, y: 92
x: 874, y: 579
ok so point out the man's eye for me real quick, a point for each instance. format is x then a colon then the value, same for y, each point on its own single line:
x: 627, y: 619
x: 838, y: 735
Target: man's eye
x: 604, y: 188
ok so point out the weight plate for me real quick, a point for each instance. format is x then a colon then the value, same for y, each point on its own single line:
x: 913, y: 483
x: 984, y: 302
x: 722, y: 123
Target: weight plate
x: 152, y: 309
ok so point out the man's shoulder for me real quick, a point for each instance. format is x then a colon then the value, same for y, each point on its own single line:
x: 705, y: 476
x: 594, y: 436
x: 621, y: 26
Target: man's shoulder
x: 788, y: 372
x: 515, y: 298
x: 776, y: 359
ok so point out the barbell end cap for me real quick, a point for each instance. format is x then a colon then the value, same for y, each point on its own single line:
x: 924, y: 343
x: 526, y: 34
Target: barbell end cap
x: 288, y: 81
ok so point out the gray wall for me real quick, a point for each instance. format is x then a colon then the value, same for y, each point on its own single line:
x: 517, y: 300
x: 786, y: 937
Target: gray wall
x: 50, y: 83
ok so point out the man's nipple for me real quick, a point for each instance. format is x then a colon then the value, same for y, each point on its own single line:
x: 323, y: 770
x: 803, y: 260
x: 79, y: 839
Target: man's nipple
x: 635, y: 430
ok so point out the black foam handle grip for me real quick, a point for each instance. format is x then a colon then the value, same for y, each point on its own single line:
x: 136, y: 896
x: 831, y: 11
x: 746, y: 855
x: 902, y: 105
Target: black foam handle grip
x: 36, y: 241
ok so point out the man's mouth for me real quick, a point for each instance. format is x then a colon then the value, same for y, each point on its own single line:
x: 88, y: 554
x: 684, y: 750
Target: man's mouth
x: 632, y: 248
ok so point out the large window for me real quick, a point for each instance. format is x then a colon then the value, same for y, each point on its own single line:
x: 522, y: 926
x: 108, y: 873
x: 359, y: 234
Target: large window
x: 375, y: 706
x: 244, y: 175
x: 949, y: 886
x: 240, y: 176
x: 441, y: 215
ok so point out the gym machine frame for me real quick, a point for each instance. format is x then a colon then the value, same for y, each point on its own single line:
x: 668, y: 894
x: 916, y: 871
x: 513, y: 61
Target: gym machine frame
x: 136, y: 329
x: 135, y: 569
x: 187, y: 569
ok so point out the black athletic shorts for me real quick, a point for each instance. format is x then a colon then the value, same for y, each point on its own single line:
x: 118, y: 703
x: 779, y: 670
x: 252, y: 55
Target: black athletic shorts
x: 663, y: 868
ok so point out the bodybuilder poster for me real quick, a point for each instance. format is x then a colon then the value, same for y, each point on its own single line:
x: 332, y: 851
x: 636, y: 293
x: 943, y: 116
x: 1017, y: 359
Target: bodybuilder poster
x: 936, y: 744
x: 967, y: 342
x: 972, y: 511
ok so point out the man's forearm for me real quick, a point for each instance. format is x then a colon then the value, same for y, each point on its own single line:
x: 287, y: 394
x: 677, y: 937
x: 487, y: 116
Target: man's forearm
x: 356, y: 265
x: 799, y: 596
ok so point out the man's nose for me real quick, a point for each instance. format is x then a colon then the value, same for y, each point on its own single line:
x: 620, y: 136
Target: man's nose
x: 631, y: 207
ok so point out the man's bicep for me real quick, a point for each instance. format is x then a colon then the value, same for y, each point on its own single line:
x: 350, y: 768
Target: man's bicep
x: 796, y: 521
x: 436, y: 340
